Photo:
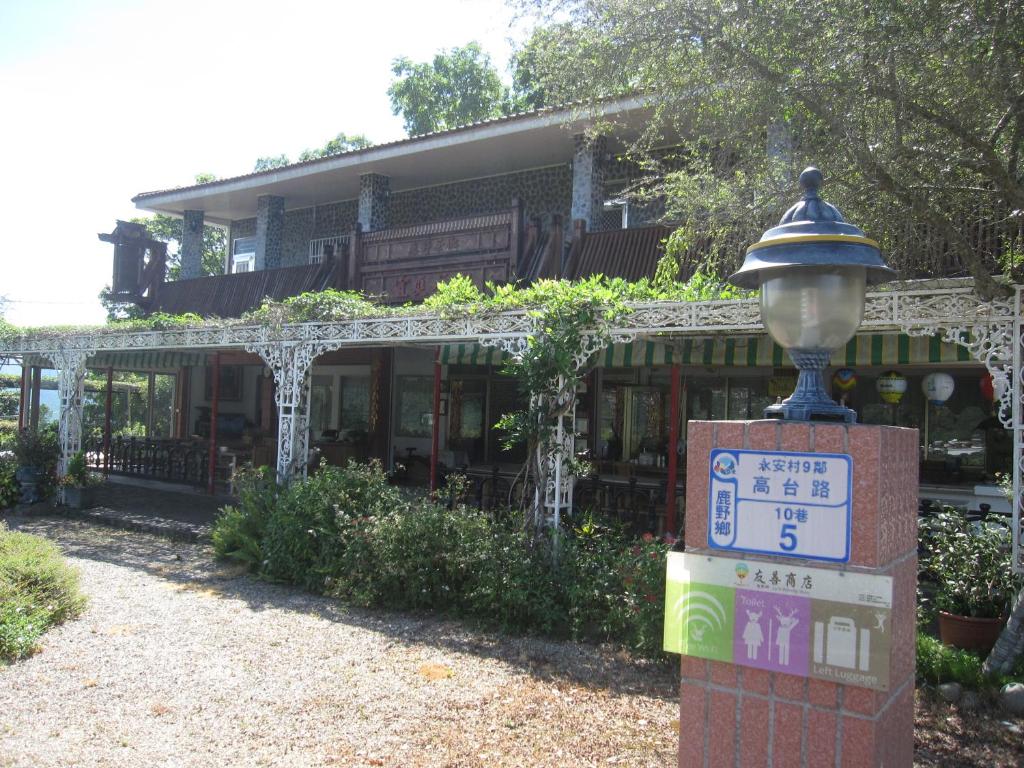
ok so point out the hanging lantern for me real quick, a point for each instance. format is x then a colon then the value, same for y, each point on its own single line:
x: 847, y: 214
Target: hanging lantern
x: 987, y: 387
x: 844, y: 380
x: 892, y: 386
x: 937, y: 387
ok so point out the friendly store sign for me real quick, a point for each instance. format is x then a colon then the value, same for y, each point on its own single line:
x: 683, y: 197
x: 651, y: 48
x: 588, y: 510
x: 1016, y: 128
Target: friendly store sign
x: 811, y: 622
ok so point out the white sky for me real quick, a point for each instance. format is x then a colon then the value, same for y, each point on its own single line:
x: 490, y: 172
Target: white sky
x: 103, y: 99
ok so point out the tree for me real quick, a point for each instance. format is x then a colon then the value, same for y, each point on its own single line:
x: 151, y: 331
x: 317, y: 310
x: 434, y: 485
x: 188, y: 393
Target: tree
x: 460, y: 86
x: 340, y: 143
x: 270, y: 163
x: 168, y: 229
x: 915, y: 111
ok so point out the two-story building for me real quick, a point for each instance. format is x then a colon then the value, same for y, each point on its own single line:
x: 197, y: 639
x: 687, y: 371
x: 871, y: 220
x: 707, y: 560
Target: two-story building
x: 509, y: 199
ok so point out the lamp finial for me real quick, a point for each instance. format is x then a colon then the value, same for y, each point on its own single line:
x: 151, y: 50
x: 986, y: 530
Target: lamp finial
x: 810, y: 181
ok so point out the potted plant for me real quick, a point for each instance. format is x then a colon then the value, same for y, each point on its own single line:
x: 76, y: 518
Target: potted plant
x: 36, y: 454
x: 970, y: 566
x: 78, y: 486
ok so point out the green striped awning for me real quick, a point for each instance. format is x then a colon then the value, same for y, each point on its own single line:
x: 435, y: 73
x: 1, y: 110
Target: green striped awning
x: 148, y: 361
x: 142, y: 360
x: 745, y: 351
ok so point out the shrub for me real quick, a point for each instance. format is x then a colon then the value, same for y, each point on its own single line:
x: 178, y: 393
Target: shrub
x: 10, y: 490
x: 938, y: 663
x: 969, y: 563
x: 616, y: 587
x: 515, y: 585
x: 8, y: 432
x: 347, y: 532
x: 238, y: 530
x: 37, y: 590
x: 303, y: 542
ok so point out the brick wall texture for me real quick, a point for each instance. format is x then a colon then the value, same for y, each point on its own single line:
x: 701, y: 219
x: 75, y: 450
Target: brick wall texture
x: 740, y: 717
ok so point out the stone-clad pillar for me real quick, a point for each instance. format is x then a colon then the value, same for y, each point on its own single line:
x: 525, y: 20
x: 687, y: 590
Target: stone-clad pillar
x: 269, y: 231
x: 374, y: 201
x: 738, y: 715
x: 588, y: 180
x: 192, y: 245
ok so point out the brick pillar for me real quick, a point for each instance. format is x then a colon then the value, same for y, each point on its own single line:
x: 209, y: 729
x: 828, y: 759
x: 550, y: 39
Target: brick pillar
x: 269, y: 231
x: 588, y: 180
x: 192, y: 245
x: 738, y: 716
x: 374, y: 201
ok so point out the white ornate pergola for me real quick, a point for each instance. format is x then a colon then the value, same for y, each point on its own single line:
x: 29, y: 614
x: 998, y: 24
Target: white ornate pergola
x: 990, y: 329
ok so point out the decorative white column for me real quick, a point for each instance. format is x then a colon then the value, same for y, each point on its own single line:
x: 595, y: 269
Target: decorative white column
x: 291, y: 363
x: 70, y: 364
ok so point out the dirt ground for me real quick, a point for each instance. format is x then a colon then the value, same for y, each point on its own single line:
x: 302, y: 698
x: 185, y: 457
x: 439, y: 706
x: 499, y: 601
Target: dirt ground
x: 181, y: 661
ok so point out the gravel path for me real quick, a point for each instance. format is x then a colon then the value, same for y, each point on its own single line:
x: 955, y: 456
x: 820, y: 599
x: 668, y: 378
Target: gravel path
x: 180, y: 661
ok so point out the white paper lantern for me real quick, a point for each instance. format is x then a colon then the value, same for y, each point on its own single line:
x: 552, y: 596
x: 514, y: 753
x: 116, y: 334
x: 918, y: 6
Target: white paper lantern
x: 937, y: 387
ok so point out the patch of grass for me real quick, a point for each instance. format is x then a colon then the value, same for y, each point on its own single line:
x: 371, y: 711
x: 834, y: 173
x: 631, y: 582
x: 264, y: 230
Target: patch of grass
x: 38, y: 589
x: 938, y: 663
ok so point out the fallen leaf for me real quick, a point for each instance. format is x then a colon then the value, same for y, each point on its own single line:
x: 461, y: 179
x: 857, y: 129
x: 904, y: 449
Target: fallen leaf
x: 435, y: 671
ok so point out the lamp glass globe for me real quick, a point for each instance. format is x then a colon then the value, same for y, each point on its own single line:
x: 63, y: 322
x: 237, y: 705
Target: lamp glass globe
x: 813, y: 307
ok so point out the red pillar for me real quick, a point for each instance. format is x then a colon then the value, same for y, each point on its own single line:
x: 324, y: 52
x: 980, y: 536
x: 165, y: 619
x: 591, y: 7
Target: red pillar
x: 34, y: 388
x: 22, y: 396
x: 214, y: 403
x: 106, y: 420
x: 673, y: 454
x: 435, y: 433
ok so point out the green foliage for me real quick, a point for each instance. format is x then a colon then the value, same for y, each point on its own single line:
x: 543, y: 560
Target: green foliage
x: 302, y: 541
x: 238, y: 531
x: 10, y: 489
x: 37, y: 590
x: 969, y: 563
x: 616, y: 586
x: 347, y: 533
x: 8, y: 433
x: 37, y: 448
x: 938, y: 663
x: 340, y: 143
x: 78, y: 474
x: 459, y: 87
x: 270, y: 163
x: 914, y: 109
x: 321, y: 306
x: 9, y: 403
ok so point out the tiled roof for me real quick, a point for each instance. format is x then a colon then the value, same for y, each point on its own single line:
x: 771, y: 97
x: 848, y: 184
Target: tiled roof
x: 627, y: 253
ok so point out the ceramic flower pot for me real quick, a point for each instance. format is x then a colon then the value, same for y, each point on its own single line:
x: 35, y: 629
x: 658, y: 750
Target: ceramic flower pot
x: 79, y: 498
x: 30, y: 479
x: 968, y: 632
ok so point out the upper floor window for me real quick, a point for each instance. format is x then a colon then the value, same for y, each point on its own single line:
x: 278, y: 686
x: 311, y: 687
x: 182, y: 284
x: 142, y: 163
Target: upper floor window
x: 327, y: 248
x: 243, y: 254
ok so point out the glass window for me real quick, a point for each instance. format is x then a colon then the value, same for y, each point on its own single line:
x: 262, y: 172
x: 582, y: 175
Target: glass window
x: 505, y: 398
x: 706, y: 399
x: 321, y: 395
x: 466, y: 417
x: 164, y: 386
x: 415, y: 401
x: 354, y: 403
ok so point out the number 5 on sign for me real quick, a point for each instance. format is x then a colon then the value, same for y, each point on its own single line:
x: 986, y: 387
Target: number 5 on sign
x: 780, y: 503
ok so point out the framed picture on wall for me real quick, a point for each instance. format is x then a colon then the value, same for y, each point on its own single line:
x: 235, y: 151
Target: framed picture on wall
x: 230, y: 385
